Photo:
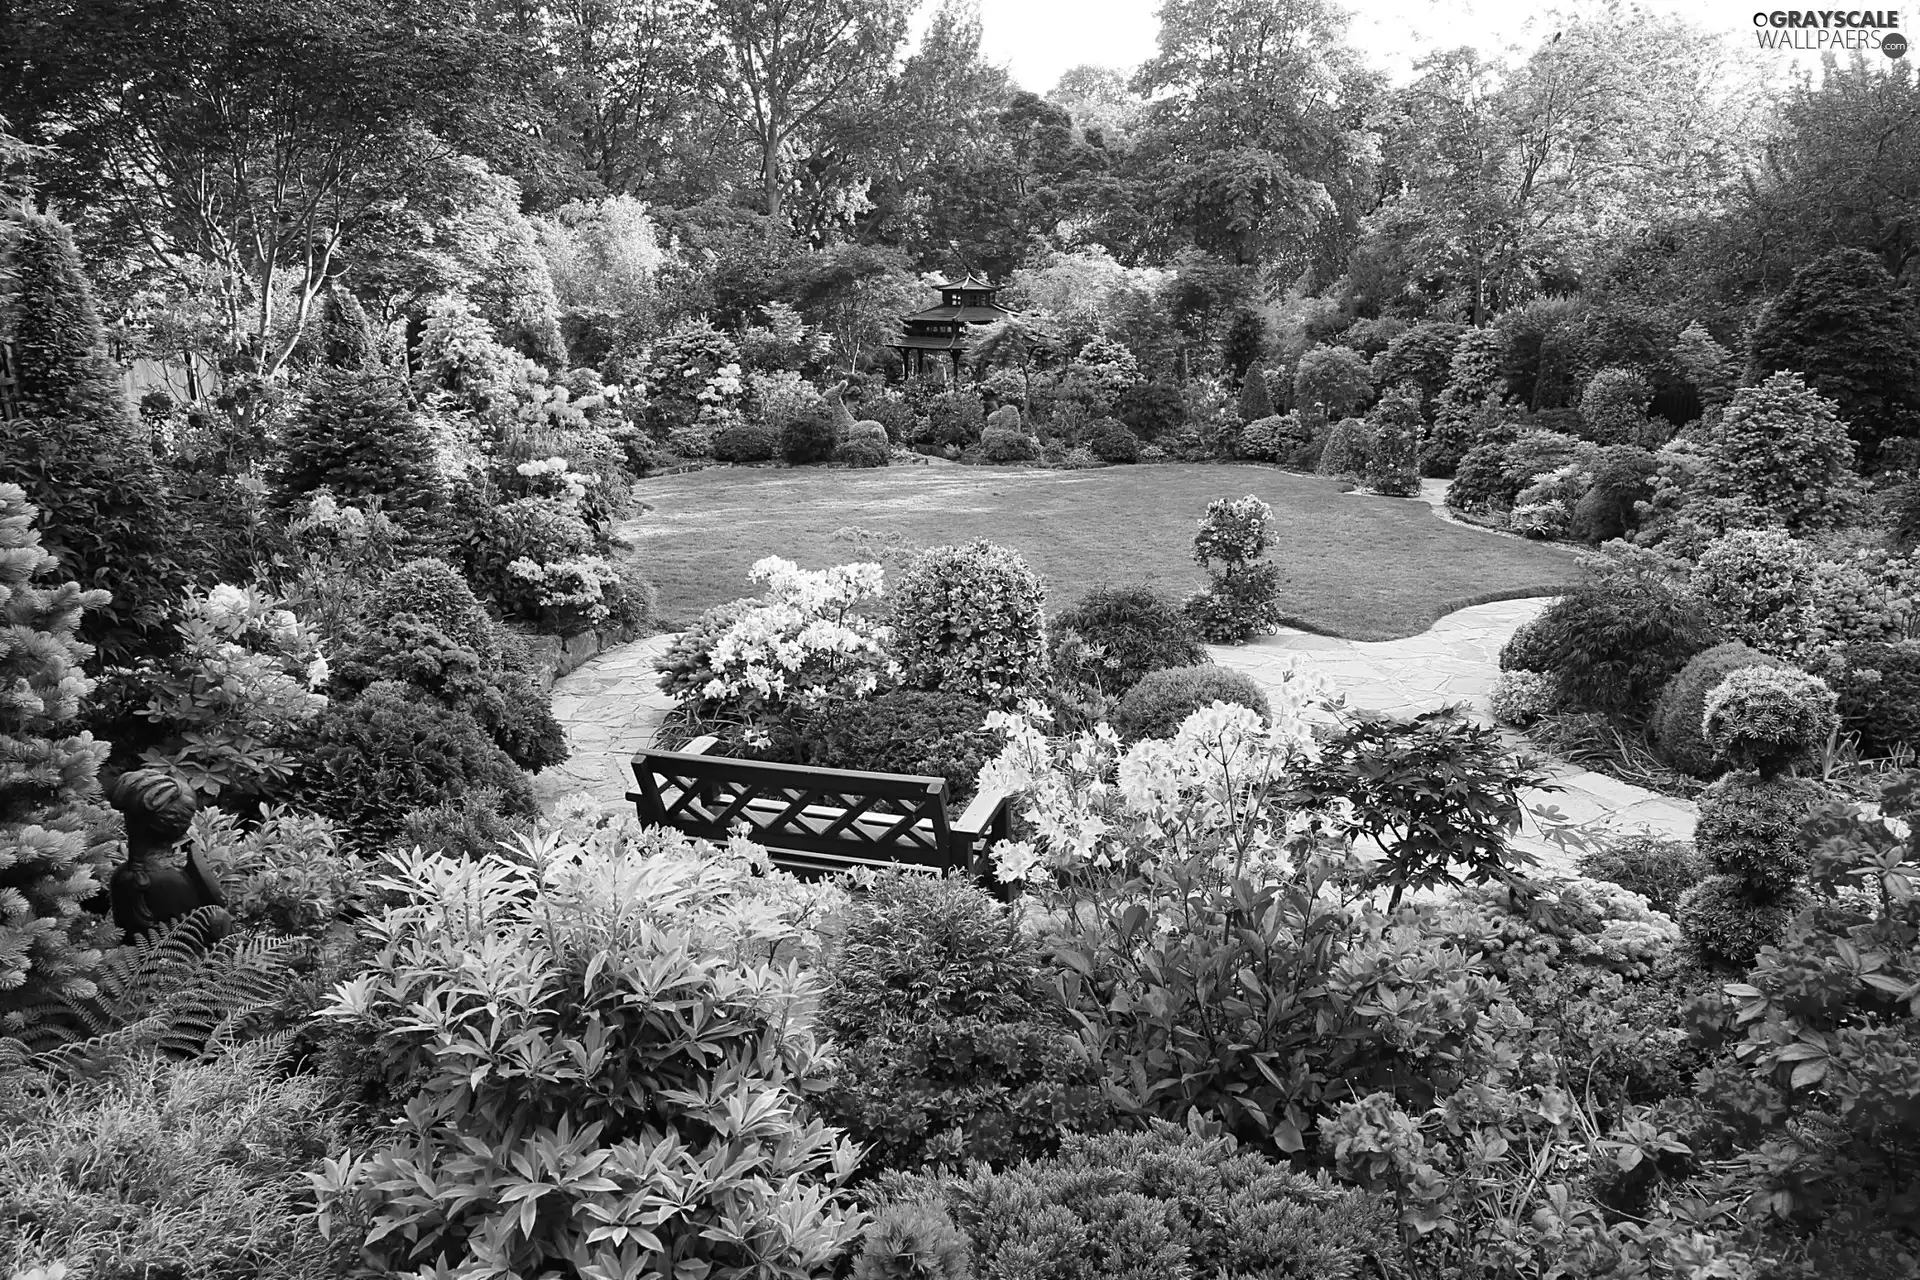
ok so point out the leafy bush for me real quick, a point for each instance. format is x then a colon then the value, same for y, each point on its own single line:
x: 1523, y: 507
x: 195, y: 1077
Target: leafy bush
x: 1781, y: 448
x: 367, y: 763
x: 1150, y: 409
x: 357, y: 436
x: 1529, y: 648
x: 1520, y: 698
x: 1163, y: 1203
x: 56, y: 838
x: 1622, y: 477
x: 865, y: 453
x: 1139, y: 630
x: 1265, y: 439
x: 472, y: 824
x: 1422, y: 358
x: 1008, y: 446
x: 1679, y: 712
x: 746, y: 442
x: 969, y: 620
x: 1112, y: 441
x: 955, y: 418
x: 1787, y: 597
x: 1242, y: 599
x: 430, y: 590
x: 935, y: 734
x: 1657, y: 869
x: 1332, y: 382
x: 1879, y: 695
x: 809, y: 436
x: 951, y: 1047
x: 1160, y: 702
x: 1480, y: 481
x: 1535, y: 453
x: 869, y: 430
x: 680, y: 1128
x: 1614, y: 644
x: 1613, y: 409
x: 1393, y: 463
x: 167, y: 1168
x: 1347, y: 447
x: 1769, y: 718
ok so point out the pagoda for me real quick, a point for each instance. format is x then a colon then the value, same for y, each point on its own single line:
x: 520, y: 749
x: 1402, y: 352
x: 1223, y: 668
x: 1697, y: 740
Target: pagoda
x: 943, y: 329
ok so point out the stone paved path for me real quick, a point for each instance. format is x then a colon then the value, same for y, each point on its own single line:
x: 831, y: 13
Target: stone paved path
x: 610, y: 709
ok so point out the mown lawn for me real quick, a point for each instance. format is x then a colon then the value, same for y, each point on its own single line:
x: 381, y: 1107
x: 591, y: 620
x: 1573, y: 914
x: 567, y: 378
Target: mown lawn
x: 1361, y: 567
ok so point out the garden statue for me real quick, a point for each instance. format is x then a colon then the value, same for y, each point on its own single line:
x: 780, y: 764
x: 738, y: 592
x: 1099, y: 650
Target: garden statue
x: 146, y: 892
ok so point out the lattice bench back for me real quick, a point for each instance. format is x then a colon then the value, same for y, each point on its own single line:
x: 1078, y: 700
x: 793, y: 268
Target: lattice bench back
x: 812, y: 821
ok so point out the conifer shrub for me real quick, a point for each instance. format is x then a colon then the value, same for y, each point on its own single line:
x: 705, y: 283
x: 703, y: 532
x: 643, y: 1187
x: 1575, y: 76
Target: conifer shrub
x: 1749, y: 834
x: 969, y: 620
x: 1138, y: 629
x: 1879, y: 695
x: 1160, y: 702
x: 1480, y: 480
x: 357, y: 436
x: 1678, y: 714
x: 56, y: 835
x: 1256, y: 402
x: 1781, y: 448
x: 1659, y: 870
x: 62, y: 368
x: 1347, y: 448
x: 1769, y: 718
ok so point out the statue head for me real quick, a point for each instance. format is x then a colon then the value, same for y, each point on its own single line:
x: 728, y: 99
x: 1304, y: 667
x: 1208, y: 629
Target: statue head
x: 157, y: 806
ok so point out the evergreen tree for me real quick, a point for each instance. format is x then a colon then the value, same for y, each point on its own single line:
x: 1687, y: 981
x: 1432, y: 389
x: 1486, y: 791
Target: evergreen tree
x: 344, y: 336
x: 1852, y: 331
x: 56, y: 837
x: 59, y: 346
x: 1255, y: 401
x: 1707, y: 365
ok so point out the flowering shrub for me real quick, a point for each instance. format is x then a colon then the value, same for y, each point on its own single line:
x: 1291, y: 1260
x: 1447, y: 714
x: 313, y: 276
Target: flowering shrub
x: 969, y: 620
x: 287, y: 872
x: 553, y: 478
x: 692, y: 374
x: 601, y: 1069
x: 247, y: 675
x: 1565, y: 920
x: 801, y: 644
x: 1243, y: 599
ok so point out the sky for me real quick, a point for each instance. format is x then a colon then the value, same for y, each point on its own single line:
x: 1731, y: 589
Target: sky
x: 1039, y: 39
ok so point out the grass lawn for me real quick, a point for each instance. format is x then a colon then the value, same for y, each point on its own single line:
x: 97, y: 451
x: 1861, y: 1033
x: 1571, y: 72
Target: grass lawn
x: 1357, y: 566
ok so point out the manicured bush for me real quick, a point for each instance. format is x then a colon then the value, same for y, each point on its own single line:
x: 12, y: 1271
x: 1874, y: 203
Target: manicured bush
x: 1263, y: 439
x: 1681, y: 708
x: 1480, y: 481
x: 1150, y: 409
x: 689, y: 1107
x: 1727, y: 929
x: 1160, y: 702
x: 430, y: 590
x: 1769, y: 718
x: 746, y: 442
x: 1879, y: 695
x: 1008, y: 446
x: 809, y: 436
x: 891, y: 411
x: 1614, y: 644
x: 864, y: 453
x: 869, y: 430
x: 357, y: 436
x: 1242, y: 598
x: 1006, y: 418
x: 936, y: 734
x: 1520, y: 698
x: 369, y: 762
x: 1346, y: 449
x: 970, y: 620
x: 1851, y: 329
x: 1163, y: 1203
x: 1613, y: 409
x: 1659, y: 870
x: 1781, y: 448
x: 1393, y: 464
x: 1535, y: 453
x: 1140, y: 630
x: 1756, y: 583
x: 1749, y: 834
x: 57, y: 838
x: 952, y: 1047
x: 61, y: 363
x: 1113, y: 441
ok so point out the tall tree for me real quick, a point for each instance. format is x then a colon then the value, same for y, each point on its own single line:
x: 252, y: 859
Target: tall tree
x: 785, y: 64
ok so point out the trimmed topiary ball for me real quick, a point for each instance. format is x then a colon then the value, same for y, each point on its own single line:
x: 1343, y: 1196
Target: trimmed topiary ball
x: 746, y: 442
x: 1749, y: 827
x: 1661, y: 871
x: 1725, y: 928
x: 431, y: 591
x: 865, y: 453
x: 1678, y: 714
x: 1000, y: 445
x: 1160, y: 703
x: 1140, y: 630
x: 1769, y: 718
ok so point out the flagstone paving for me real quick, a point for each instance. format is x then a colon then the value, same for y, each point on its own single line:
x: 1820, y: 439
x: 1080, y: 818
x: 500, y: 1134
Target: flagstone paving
x: 610, y: 709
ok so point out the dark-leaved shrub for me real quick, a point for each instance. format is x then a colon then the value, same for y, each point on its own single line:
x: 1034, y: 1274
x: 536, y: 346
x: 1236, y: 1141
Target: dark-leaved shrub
x: 1480, y: 481
x: 1113, y: 441
x: 1613, y: 645
x: 1140, y: 630
x: 1160, y: 703
x: 1150, y: 409
x: 746, y: 442
x: 809, y: 436
x: 1879, y: 691
x: 931, y: 733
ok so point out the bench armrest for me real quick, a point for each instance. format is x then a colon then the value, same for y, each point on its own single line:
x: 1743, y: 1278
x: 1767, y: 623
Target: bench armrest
x: 700, y: 745
x: 984, y: 812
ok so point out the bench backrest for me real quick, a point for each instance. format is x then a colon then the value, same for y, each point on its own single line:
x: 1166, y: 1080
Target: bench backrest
x: 822, y: 819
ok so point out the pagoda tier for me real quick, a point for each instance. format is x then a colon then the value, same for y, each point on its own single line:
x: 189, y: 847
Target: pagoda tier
x: 964, y: 304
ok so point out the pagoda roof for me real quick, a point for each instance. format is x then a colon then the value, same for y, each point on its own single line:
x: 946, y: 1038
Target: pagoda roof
x: 929, y: 342
x: 985, y: 313
x: 970, y: 282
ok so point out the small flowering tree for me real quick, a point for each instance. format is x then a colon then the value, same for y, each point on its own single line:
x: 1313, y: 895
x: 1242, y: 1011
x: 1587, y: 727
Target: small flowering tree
x: 802, y: 645
x: 249, y: 671
x: 1243, y: 598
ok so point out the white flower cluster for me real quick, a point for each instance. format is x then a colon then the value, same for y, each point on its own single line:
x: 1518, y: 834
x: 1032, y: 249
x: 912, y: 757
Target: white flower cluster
x: 1204, y: 788
x: 804, y: 642
x: 565, y: 482
x: 579, y: 582
x: 722, y: 387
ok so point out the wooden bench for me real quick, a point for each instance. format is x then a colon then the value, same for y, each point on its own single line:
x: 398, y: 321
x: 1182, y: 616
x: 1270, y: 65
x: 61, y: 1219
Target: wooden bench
x: 815, y: 822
